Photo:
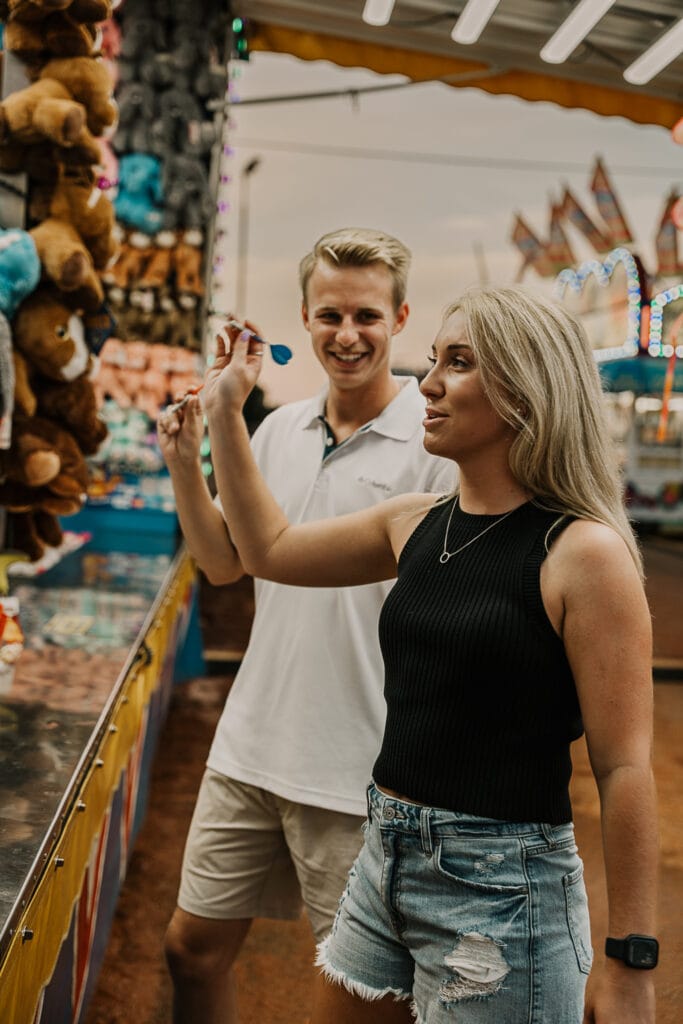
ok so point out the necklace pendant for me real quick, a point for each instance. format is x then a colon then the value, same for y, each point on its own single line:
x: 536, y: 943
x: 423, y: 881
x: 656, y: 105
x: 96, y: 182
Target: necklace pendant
x: 444, y: 557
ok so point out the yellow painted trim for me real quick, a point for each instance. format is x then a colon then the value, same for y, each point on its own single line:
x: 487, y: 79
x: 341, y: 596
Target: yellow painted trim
x: 28, y: 966
x: 422, y: 67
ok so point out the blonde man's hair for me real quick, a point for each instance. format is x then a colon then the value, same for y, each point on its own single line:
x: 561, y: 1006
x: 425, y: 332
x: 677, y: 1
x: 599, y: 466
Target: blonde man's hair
x: 360, y: 247
x: 538, y: 370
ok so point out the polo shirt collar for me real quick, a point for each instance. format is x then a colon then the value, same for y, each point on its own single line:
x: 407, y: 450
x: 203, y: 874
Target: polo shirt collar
x: 397, y: 419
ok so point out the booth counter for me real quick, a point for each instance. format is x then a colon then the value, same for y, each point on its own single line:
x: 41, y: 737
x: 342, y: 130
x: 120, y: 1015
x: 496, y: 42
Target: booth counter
x: 104, y: 634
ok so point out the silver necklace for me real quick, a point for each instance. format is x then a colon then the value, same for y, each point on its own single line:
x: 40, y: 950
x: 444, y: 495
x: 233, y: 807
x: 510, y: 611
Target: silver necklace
x: 446, y: 554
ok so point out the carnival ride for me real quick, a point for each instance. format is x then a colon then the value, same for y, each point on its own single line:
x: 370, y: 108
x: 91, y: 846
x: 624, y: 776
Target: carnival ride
x: 635, y: 322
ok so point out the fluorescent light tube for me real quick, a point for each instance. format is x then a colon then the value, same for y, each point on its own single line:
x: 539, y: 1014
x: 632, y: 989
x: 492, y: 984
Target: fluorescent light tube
x: 378, y: 12
x: 473, y: 20
x: 574, y: 30
x: 661, y: 53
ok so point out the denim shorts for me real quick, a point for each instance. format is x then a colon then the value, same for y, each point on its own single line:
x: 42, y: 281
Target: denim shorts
x: 473, y: 919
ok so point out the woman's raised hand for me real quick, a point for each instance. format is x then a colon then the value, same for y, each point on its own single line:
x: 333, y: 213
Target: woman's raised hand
x: 235, y: 370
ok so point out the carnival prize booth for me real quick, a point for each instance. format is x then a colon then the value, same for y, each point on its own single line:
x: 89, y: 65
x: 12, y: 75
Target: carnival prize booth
x: 112, y: 138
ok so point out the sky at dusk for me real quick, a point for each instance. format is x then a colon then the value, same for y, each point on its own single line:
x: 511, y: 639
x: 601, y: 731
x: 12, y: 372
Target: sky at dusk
x: 444, y: 169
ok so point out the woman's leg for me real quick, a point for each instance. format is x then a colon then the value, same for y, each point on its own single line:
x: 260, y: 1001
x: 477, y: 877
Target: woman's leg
x: 333, y: 1004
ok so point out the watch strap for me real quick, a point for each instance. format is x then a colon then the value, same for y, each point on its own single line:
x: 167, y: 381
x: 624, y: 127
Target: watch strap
x: 615, y: 948
x: 641, y: 951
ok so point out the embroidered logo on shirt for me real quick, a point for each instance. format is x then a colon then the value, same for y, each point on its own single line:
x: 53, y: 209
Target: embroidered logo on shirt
x: 376, y: 483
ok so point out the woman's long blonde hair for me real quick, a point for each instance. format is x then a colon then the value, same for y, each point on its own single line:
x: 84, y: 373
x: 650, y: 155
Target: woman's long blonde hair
x: 538, y: 370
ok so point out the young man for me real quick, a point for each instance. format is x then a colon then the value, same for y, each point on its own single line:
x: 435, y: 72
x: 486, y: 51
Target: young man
x: 279, y: 812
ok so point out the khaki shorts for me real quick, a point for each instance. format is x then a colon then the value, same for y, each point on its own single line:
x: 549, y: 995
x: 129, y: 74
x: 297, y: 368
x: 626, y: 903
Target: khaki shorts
x: 250, y: 854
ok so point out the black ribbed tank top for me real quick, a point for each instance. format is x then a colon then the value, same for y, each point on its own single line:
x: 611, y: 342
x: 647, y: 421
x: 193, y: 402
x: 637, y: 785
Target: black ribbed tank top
x: 481, y: 702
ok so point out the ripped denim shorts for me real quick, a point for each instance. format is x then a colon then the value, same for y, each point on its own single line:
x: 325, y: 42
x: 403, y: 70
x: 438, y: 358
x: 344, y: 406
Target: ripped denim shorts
x: 472, y: 919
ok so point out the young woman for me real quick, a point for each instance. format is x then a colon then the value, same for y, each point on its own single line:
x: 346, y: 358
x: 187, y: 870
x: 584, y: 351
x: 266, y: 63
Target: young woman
x: 517, y: 621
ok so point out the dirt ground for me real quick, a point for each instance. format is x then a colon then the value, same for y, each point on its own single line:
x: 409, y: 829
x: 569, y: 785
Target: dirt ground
x: 274, y: 970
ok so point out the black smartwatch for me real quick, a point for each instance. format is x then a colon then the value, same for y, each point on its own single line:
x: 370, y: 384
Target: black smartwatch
x: 640, y: 951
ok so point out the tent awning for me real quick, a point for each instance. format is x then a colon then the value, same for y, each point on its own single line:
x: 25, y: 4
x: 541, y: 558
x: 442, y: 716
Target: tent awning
x: 505, y: 60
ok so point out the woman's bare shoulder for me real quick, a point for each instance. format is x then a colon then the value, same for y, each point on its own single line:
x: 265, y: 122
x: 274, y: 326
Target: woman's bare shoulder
x: 588, y: 556
x: 589, y: 540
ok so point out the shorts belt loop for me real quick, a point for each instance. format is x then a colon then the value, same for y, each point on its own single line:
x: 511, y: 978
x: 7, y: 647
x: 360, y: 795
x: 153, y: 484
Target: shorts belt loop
x: 426, y: 832
x: 548, y: 833
x: 369, y: 802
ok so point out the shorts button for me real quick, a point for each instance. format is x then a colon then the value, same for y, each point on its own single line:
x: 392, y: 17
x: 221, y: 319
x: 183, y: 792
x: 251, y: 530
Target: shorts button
x: 389, y: 813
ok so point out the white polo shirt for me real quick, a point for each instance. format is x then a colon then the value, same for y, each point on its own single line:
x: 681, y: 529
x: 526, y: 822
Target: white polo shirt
x: 305, y: 715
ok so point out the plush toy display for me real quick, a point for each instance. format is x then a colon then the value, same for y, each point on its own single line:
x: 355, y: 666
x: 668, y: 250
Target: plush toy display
x: 19, y: 269
x: 49, y: 131
x: 144, y: 376
x: 112, y: 261
x: 140, y: 196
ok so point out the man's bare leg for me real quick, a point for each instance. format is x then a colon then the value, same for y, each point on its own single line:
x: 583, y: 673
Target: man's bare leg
x: 200, y: 953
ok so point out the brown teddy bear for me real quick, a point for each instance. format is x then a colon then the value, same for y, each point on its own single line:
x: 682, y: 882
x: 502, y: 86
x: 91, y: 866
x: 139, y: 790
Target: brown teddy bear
x: 42, y: 455
x: 67, y: 261
x: 43, y: 475
x: 70, y: 104
x: 50, y: 337
x: 43, y: 110
x: 74, y: 404
x: 78, y: 200
x: 88, y: 81
x: 67, y: 28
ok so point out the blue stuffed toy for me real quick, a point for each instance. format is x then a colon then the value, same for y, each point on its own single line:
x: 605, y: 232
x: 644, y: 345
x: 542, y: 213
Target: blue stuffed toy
x: 140, y: 195
x: 19, y: 269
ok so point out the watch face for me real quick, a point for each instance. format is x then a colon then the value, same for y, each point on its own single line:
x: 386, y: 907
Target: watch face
x: 642, y: 952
